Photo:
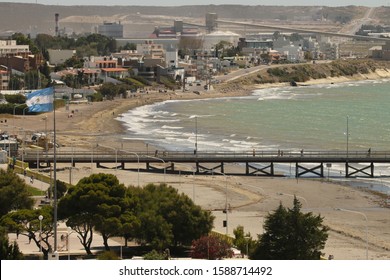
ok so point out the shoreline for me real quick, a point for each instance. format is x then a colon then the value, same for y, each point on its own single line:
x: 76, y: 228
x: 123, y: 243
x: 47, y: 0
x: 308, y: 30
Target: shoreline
x: 251, y: 197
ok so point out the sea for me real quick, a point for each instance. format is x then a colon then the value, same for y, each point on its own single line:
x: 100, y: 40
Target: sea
x: 325, y: 117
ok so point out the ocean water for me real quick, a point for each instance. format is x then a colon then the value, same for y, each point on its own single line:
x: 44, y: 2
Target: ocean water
x: 311, y: 118
x: 317, y: 117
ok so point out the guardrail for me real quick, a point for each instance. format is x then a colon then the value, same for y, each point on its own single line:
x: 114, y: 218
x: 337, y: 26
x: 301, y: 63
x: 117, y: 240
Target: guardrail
x: 143, y: 156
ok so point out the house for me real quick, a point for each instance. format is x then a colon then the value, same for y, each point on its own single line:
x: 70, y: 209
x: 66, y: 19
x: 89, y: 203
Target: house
x: 382, y: 52
x: 106, y: 66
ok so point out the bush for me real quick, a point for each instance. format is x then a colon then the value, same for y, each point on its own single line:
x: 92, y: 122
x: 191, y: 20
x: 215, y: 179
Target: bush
x: 154, y: 255
x: 108, y: 255
x: 211, y: 248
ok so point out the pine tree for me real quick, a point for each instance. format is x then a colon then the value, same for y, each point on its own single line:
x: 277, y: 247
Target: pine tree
x: 291, y: 234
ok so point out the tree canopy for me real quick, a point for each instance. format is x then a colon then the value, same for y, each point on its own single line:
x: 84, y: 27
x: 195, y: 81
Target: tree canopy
x: 13, y: 193
x: 211, y: 248
x: 96, y: 202
x: 154, y: 215
x: 168, y: 218
x: 291, y: 235
x: 26, y: 222
x: 8, y: 251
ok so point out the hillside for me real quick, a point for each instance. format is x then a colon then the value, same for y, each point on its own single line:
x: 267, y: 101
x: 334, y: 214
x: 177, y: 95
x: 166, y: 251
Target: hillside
x: 37, y: 18
x: 335, y: 71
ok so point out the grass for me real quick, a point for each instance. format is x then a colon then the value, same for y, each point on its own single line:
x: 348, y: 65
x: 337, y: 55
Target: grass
x: 35, y: 192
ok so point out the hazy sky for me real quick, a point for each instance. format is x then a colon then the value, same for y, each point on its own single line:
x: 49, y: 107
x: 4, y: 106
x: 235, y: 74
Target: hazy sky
x: 369, y: 3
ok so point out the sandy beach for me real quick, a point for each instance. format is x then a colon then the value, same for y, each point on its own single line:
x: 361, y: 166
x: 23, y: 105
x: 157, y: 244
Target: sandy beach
x: 352, y: 234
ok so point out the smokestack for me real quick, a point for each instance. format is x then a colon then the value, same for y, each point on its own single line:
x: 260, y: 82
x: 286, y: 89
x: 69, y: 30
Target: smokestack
x: 56, y: 30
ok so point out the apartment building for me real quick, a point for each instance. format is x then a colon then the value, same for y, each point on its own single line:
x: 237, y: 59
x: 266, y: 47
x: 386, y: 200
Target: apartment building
x: 4, y: 79
x: 10, y: 48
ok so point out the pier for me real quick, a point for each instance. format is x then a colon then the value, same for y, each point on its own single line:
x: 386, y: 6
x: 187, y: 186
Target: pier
x: 255, y: 163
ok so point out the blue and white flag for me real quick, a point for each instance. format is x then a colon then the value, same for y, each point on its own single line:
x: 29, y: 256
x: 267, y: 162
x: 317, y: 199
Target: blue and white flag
x: 40, y: 100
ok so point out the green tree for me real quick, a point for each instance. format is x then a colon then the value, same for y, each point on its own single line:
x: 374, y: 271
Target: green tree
x: 21, y: 39
x: 154, y: 255
x: 96, y: 202
x: 8, y: 251
x: 26, y: 222
x: 108, y: 90
x: 222, y: 48
x: 211, y: 248
x: 291, y: 235
x: 108, y: 255
x: 15, y: 99
x: 244, y: 242
x: 16, y: 82
x: 128, y: 46
x: 164, y: 214
x: 13, y: 193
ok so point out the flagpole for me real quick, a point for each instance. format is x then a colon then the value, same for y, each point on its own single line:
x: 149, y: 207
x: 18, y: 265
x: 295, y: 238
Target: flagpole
x: 55, y: 176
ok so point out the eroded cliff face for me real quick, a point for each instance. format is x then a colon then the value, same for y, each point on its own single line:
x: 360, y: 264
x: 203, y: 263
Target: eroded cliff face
x: 304, y: 74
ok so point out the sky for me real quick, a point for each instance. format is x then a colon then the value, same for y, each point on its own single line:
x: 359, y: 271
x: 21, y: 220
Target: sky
x: 333, y: 3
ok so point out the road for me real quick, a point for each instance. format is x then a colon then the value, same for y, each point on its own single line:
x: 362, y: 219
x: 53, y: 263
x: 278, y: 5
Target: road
x: 355, y: 25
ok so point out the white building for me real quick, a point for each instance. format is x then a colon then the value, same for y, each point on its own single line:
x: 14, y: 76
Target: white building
x: 10, y: 47
x: 171, y: 57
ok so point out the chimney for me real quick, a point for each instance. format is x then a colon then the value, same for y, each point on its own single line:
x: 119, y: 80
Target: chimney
x: 56, y: 30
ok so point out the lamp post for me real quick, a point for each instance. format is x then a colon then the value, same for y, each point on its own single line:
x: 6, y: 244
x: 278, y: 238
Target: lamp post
x: 13, y: 120
x: 137, y: 162
x: 226, y: 203
x: 165, y: 168
x: 46, y: 137
x: 347, y: 137
x: 365, y: 217
x: 247, y: 238
x: 40, y: 217
x: 193, y: 185
x: 68, y: 233
x: 225, y: 223
x: 116, y: 155
x: 24, y: 110
x: 92, y: 148
x: 196, y: 135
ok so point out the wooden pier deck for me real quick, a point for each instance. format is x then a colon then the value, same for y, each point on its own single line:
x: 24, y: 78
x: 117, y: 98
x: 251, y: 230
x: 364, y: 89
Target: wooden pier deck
x: 258, y: 163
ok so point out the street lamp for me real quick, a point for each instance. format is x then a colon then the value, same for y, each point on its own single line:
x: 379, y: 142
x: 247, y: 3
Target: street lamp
x: 46, y: 137
x: 347, y: 137
x: 196, y: 135
x: 92, y: 148
x: 225, y: 223
x: 137, y: 162
x: 13, y: 120
x: 116, y: 155
x: 247, y: 238
x: 365, y: 217
x: 24, y: 110
x: 193, y: 185
x: 40, y: 217
x: 165, y: 168
x: 68, y: 233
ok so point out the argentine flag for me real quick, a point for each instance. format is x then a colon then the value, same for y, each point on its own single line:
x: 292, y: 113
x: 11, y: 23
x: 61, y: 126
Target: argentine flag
x: 40, y: 100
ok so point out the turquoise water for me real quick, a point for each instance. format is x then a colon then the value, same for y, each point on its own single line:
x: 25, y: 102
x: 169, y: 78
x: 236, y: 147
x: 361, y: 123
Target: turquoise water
x: 312, y: 118
x: 293, y: 118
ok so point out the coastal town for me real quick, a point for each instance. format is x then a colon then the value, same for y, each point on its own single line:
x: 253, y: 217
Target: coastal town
x: 97, y: 77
